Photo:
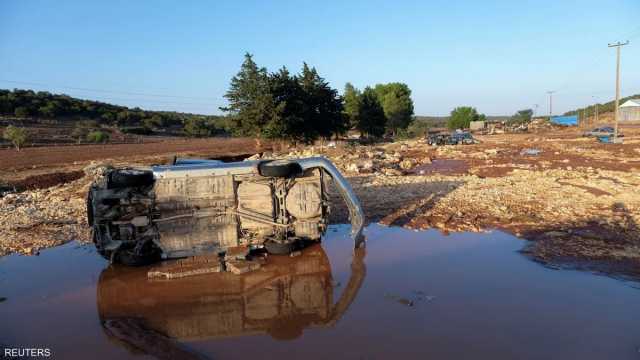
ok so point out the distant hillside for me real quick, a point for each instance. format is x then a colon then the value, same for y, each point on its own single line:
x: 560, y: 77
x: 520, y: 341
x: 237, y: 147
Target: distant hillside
x: 42, y: 105
x: 602, y: 108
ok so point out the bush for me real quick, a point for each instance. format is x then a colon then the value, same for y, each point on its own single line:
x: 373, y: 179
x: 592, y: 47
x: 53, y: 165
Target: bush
x: 462, y: 116
x: 137, y: 130
x: 17, y: 136
x: 98, y: 136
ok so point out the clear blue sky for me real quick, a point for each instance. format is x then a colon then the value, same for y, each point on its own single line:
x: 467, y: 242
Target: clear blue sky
x: 499, y: 56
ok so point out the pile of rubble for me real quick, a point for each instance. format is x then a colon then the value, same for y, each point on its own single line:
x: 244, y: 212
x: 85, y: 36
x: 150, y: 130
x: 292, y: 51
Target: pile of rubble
x: 388, y: 160
x: 42, y: 218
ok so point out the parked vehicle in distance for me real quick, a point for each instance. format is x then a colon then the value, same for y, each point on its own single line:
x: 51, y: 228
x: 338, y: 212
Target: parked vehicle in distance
x: 438, y: 139
x: 601, y: 131
x: 454, y: 138
x: 464, y: 138
x: 195, y: 206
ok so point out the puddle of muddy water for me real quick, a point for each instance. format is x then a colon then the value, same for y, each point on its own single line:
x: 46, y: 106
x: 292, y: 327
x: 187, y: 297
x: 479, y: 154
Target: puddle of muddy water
x: 408, y: 294
x: 442, y: 166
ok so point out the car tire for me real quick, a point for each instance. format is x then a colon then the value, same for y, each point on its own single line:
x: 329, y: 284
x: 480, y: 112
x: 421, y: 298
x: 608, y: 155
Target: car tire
x: 279, y: 168
x: 125, y: 178
x: 278, y: 248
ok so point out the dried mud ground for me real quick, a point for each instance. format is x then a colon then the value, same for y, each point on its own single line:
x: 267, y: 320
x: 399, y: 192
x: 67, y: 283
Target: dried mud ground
x: 577, y: 200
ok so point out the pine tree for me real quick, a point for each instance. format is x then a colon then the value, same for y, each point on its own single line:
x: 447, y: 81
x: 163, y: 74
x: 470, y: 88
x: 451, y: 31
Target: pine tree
x: 289, y: 100
x: 323, y: 107
x: 395, y: 99
x: 251, y: 105
x: 351, y: 105
x: 371, y: 120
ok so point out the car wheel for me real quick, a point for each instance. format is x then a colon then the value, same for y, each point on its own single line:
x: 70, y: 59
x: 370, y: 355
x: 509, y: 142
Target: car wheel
x: 278, y: 248
x: 279, y: 168
x: 129, y: 178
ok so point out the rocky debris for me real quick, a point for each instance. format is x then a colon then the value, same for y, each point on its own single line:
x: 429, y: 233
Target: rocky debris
x: 239, y: 267
x: 236, y: 260
x: 197, y: 265
x: 407, y: 164
x: 236, y: 253
x: 254, y: 157
x: 530, y: 152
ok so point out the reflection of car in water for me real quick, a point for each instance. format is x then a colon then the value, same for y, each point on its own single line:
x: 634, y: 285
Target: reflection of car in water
x: 197, y: 206
x: 287, y: 295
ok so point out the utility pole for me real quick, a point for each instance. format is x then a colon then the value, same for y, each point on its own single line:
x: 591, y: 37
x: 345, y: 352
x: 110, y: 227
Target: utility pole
x: 550, y: 103
x: 595, y: 101
x: 617, y: 45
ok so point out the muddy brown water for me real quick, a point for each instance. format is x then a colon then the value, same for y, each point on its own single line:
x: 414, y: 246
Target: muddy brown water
x: 442, y: 166
x: 408, y: 294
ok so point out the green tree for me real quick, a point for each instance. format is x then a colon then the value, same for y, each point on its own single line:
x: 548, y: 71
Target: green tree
x: 372, y: 120
x: 251, y: 104
x: 198, y: 127
x: 155, y: 121
x: 289, y: 99
x: 98, y: 136
x: 397, y: 104
x: 522, y: 116
x: 79, y: 133
x: 22, y: 112
x: 323, y: 107
x: 17, y: 136
x: 122, y: 117
x: 352, y: 105
x: 462, y: 116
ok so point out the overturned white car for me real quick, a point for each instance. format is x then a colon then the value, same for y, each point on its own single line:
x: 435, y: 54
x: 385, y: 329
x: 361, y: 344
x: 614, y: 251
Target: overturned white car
x: 194, y: 206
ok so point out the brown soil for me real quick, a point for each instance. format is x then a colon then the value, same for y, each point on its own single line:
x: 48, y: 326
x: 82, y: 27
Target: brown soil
x: 45, y: 180
x: 19, y: 164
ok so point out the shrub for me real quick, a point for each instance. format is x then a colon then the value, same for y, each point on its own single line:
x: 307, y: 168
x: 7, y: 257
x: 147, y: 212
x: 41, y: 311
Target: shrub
x: 98, y: 136
x: 17, y: 136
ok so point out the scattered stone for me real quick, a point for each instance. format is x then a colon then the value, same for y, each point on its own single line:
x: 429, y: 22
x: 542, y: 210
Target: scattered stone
x: 197, y: 265
x: 236, y: 253
x: 530, y: 152
x: 392, y: 172
x: 407, y: 164
x: 239, y: 267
